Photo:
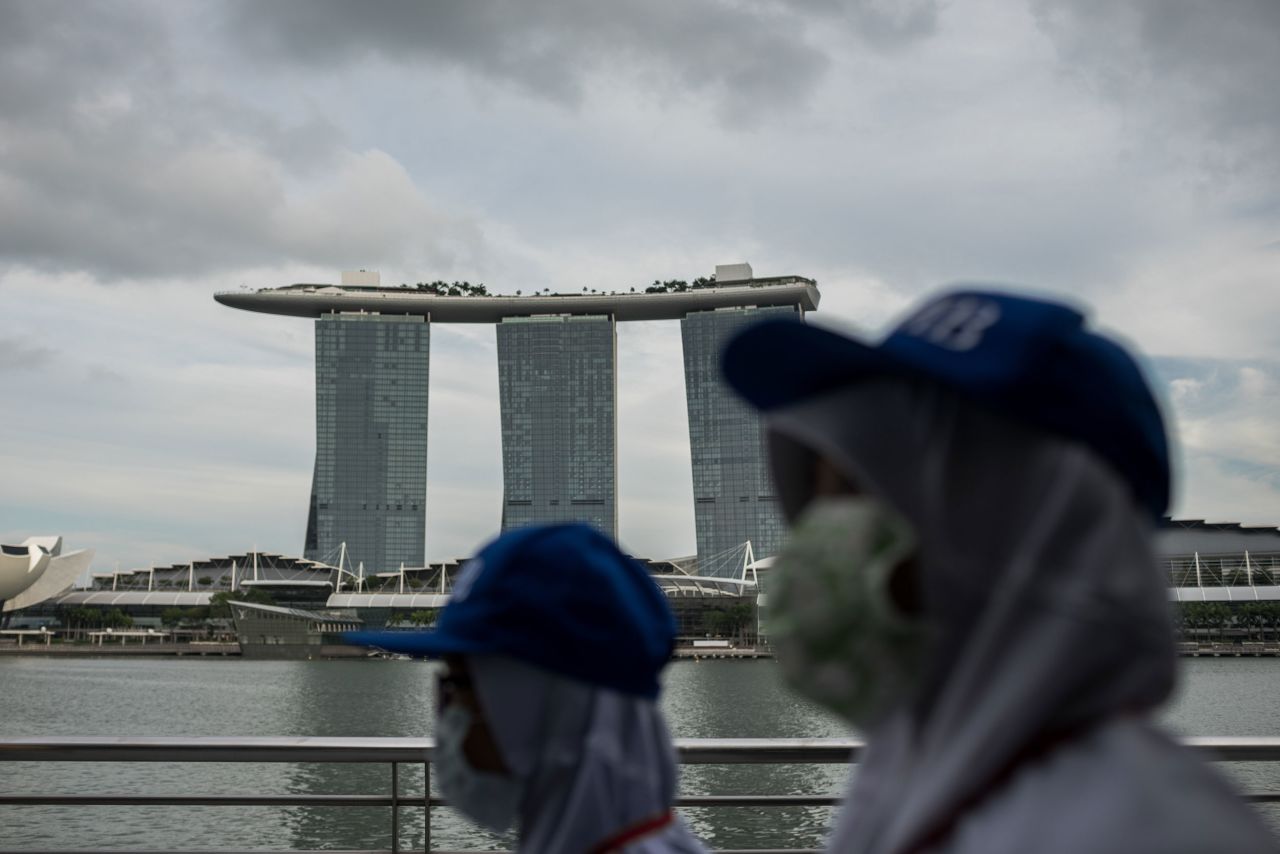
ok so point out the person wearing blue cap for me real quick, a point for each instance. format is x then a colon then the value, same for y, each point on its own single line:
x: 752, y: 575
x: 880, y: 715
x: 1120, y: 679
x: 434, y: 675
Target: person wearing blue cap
x: 547, y: 716
x: 970, y: 581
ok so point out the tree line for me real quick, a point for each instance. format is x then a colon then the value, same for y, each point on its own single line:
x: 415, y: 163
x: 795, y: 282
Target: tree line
x: 736, y: 621
x: 1258, y: 620
x: 86, y: 617
x: 450, y: 289
x: 423, y: 617
x: 466, y: 289
x: 678, y: 285
x: 82, y: 617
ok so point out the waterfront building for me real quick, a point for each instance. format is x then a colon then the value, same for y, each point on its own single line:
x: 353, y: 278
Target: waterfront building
x: 1204, y: 562
x: 146, y: 593
x: 369, y: 484
x: 269, y: 631
x: 558, y: 402
x: 557, y: 392
x: 733, y: 495
x: 1220, y: 561
x: 36, y: 570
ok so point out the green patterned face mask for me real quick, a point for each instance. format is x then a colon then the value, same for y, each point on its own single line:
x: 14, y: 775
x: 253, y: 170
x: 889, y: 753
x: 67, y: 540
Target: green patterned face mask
x: 839, y: 637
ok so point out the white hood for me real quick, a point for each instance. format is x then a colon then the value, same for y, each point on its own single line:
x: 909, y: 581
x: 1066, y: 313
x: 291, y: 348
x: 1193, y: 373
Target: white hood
x: 594, y: 761
x: 1037, y: 568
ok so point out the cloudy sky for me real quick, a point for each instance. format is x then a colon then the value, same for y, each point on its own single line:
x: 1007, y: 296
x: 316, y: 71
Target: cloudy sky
x: 1125, y: 155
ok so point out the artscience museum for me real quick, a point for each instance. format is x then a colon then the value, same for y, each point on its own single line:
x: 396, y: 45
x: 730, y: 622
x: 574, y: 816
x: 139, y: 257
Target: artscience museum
x: 36, y: 570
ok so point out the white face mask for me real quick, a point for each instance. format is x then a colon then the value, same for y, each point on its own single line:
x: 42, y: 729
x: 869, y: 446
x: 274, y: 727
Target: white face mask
x: 490, y: 800
x: 839, y: 637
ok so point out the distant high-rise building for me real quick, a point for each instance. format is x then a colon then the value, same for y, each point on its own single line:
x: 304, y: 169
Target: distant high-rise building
x: 557, y: 389
x: 733, y: 494
x: 369, y: 486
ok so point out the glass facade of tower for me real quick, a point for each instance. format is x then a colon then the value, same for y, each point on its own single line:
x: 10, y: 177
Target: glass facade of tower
x: 369, y: 486
x: 557, y: 388
x: 732, y: 491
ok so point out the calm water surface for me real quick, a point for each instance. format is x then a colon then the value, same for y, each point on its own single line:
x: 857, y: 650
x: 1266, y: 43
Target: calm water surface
x: 188, y: 697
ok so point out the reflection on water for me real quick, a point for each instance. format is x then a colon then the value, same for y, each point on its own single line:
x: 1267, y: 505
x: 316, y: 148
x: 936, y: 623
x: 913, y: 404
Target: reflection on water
x: 188, y: 697
x: 353, y: 698
x: 745, y: 699
x: 1232, y: 696
x: 368, y: 698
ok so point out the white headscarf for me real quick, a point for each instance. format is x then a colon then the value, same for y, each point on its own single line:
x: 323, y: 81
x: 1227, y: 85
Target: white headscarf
x: 1036, y: 568
x: 594, y: 762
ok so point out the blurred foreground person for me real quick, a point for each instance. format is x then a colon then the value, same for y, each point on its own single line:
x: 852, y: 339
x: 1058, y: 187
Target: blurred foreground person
x: 548, y: 722
x: 970, y: 581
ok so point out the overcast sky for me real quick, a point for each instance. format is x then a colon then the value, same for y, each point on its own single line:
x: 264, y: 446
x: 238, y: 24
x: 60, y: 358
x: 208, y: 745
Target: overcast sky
x: 1125, y: 155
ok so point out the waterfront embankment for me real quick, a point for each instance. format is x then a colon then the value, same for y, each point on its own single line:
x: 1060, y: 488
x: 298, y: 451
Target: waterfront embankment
x: 1229, y: 650
x: 116, y: 650
x: 157, y: 650
x: 223, y: 649
x: 696, y: 654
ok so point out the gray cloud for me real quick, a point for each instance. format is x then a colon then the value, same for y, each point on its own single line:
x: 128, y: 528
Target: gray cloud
x: 1181, y: 66
x: 53, y: 54
x: 113, y: 162
x: 1227, y: 455
x: 16, y: 355
x: 883, y: 147
x: 753, y: 58
x: 161, y: 421
x: 885, y: 24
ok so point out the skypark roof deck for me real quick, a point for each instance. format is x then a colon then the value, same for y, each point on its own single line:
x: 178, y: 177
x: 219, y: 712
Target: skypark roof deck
x: 303, y: 300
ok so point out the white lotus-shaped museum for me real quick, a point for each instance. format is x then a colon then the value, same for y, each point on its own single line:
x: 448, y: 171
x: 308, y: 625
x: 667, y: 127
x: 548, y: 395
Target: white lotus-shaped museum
x: 37, y: 570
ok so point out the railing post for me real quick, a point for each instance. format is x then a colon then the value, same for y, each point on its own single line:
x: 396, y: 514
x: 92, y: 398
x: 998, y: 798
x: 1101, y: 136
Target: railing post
x: 395, y: 808
x: 426, y: 806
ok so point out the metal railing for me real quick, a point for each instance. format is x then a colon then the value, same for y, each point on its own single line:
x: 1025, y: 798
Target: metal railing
x: 395, y: 752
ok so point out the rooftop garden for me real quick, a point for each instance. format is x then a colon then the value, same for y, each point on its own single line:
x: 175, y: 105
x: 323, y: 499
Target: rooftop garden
x: 678, y: 286
x: 451, y: 289
x: 466, y: 289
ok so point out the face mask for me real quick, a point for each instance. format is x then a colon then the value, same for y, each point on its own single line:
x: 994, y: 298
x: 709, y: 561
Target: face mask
x: 839, y: 637
x: 490, y: 800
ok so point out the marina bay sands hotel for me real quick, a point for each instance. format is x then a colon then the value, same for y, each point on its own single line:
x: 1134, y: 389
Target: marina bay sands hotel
x: 557, y: 382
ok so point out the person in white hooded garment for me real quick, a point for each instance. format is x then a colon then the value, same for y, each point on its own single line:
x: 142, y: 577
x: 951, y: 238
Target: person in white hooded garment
x: 970, y: 580
x: 548, y: 722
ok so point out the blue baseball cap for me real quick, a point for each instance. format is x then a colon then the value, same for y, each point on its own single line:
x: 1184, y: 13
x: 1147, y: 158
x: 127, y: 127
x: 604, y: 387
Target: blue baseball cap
x: 560, y: 597
x: 1030, y: 360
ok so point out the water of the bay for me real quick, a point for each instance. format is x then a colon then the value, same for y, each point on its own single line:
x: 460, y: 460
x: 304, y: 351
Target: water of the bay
x: 198, y: 697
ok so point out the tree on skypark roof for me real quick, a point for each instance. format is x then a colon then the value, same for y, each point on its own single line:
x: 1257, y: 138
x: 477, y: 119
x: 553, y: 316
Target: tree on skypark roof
x: 452, y: 289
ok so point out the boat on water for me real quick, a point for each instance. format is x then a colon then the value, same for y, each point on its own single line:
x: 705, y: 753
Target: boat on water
x: 270, y: 631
